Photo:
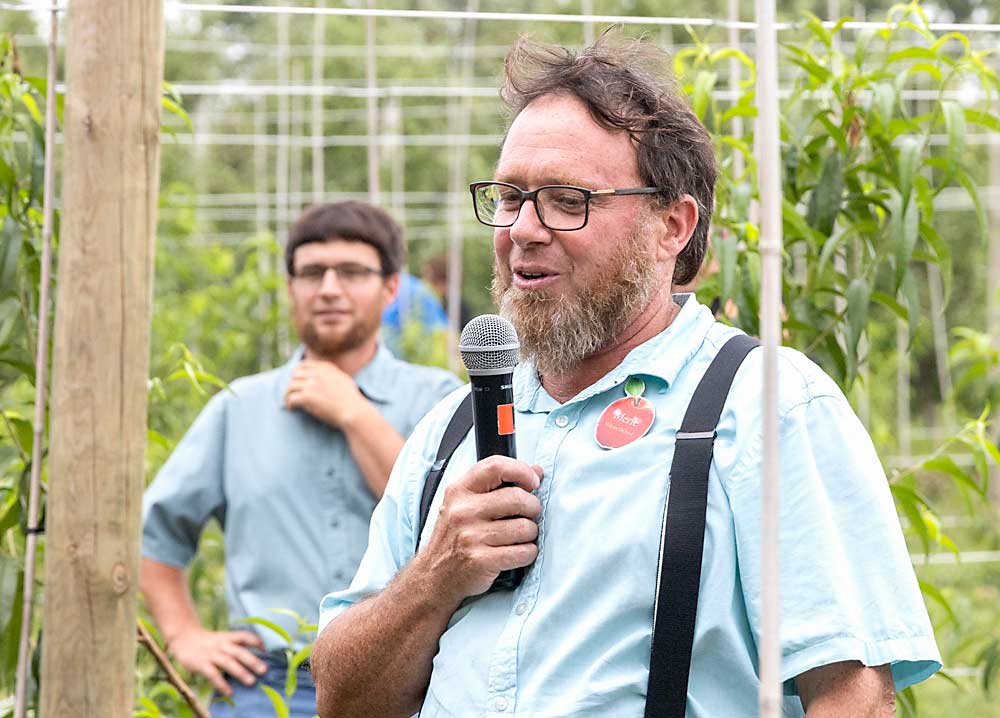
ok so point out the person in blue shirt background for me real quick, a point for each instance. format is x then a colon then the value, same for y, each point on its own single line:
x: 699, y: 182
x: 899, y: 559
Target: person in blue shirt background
x: 586, y: 277
x: 290, y: 462
x: 415, y: 302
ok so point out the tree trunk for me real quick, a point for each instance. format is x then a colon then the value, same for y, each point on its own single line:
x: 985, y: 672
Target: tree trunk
x: 114, y: 64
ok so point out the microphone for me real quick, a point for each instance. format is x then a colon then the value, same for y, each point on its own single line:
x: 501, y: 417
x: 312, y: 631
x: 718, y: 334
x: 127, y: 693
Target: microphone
x: 489, y: 349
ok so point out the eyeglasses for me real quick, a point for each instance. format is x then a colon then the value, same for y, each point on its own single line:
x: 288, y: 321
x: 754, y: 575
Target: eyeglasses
x: 563, y: 208
x: 348, y: 273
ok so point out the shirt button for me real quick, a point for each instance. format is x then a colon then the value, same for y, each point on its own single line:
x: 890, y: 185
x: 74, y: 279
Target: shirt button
x: 335, y: 524
x: 520, y: 609
x: 562, y: 420
x: 331, y: 472
x: 500, y: 703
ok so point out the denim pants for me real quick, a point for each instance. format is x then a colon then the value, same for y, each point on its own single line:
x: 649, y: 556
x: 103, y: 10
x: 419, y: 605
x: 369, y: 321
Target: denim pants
x: 253, y: 702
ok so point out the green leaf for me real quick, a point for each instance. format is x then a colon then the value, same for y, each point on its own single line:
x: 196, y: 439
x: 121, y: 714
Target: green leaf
x: 634, y: 387
x: 810, y: 63
x: 815, y: 26
x: 970, y: 189
x: 280, y: 707
x: 909, y: 162
x: 701, y: 93
x: 954, y: 121
x: 10, y: 513
x: 23, y: 432
x: 909, y: 291
x: 10, y: 252
x: 942, y: 256
x: 909, y: 502
x: 268, y: 624
x: 10, y: 638
x: 934, y: 593
x: 827, y: 196
x: 797, y: 227
x: 985, y: 119
x: 903, y: 227
x: 858, y: 297
x: 884, y: 98
x: 301, y: 655
x: 891, y: 304
x: 946, y: 465
x: 864, y: 38
x: 726, y: 252
x: 29, y: 102
x: 912, y: 53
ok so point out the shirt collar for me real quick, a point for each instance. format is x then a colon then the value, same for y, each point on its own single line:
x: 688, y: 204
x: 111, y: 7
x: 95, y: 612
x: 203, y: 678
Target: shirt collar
x: 661, y: 357
x: 374, y: 379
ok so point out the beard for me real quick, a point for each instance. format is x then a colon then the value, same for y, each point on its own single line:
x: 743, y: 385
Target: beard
x: 558, y: 332
x: 330, y: 346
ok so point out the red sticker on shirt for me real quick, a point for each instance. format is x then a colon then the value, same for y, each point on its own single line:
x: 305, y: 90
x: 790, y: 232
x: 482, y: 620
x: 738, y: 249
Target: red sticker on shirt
x: 626, y: 419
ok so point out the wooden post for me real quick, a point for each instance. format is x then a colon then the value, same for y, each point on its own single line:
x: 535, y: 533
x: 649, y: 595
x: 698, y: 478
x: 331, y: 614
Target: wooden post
x: 114, y: 66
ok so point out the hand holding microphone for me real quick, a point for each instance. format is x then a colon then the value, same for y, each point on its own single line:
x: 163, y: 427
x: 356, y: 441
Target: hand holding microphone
x: 486, y: 528
x: 489, y: 348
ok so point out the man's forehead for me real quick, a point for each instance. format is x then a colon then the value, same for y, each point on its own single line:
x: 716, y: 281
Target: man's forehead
x: 555, y: 140
x: 335, y: 247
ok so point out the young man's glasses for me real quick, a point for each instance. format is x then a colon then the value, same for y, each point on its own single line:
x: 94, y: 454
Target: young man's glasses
x: 563, y: 208
x: 348, y: 273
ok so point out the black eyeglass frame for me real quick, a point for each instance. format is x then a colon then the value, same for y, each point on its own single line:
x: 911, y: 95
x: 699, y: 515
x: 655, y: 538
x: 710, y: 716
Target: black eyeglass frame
x: 533, y: 196
x: 336, y: 269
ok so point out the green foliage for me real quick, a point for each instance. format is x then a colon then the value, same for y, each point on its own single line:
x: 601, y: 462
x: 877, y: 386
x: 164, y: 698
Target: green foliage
x: 860, y: 178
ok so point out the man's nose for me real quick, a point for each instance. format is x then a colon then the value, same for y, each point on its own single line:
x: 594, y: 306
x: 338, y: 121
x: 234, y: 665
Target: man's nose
x: 528, y: 228
x: 330, y: 284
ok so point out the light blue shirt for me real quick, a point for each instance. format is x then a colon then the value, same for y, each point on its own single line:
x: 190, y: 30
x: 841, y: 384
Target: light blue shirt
x: 574, y: 638
x: 291, y: 500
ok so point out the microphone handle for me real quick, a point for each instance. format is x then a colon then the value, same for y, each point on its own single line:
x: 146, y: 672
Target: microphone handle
x: 493, y: 422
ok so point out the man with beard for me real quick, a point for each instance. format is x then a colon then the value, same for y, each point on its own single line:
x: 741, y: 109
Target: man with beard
x: 291, y: 463
x: 601, y: 202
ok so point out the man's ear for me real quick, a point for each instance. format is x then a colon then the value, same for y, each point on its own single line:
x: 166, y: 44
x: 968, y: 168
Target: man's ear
x: 390, y: 288
x: 679, y: 221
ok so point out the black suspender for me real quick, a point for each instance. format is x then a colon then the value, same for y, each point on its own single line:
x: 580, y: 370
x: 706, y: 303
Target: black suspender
x: 683, y: 538
x: 458, y: 427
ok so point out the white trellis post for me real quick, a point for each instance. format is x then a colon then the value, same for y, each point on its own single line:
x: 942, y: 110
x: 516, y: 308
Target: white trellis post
x: 460, y: 110
x: 295, y: 146
x: 770, y: 188
x: 281, y: 204
x: 265, y: 359
x: 318, y: 167
x: 371, y: 76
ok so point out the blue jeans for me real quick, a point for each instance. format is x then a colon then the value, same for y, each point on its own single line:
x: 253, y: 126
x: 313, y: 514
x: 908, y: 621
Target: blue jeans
x: 252, y: 702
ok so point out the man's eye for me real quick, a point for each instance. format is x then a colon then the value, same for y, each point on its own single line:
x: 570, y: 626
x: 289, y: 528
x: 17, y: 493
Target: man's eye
x: 569, y: 202
x: 312, y: 272
x: 351, y: 272
x: 510, y: 197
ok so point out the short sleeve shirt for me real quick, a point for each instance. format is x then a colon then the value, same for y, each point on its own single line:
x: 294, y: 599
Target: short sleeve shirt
x: 574, y: 638
x: 292, y: 502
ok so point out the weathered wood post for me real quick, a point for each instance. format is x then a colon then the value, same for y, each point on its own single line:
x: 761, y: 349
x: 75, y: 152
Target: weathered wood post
x: 114, y: 71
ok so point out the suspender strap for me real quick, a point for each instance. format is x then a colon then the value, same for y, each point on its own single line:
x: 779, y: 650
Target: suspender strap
x: 454, y: 433
x: 684, y: 536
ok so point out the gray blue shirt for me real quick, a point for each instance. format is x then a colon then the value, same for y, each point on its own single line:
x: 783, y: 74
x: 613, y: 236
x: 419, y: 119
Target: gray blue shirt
x: 292, y: 502
x: 574, y: 638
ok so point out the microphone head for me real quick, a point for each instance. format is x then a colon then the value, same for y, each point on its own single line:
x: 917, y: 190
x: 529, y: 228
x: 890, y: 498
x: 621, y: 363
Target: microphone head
x: 489, y: 345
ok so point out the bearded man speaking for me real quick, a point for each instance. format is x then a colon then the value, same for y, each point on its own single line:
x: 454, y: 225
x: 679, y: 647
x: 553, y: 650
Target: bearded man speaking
x: 600, y: 203
x: 291, y: 462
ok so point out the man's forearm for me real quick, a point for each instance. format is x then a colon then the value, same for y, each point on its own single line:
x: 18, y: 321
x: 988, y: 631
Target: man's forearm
x: 374, y: 444
x: 847, y: 688
x: 376, y: 658
x: 167, y: 595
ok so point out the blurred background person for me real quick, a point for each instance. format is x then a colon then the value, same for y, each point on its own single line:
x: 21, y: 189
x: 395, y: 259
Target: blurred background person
x: 291, y: 462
